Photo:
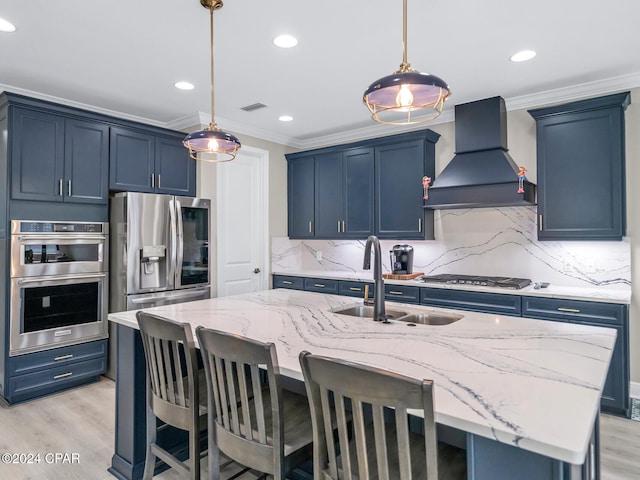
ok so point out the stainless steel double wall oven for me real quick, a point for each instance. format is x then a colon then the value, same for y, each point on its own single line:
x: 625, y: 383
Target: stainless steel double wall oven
x: 59, y: 284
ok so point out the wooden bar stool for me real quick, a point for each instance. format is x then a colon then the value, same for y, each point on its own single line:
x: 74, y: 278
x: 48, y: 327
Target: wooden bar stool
x: 174, y: 393
x: 379, y: 444
x: 256, y: 422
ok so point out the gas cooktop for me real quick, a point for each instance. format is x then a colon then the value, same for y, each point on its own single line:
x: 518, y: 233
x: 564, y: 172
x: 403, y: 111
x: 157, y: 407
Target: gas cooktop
x: 501, y: 282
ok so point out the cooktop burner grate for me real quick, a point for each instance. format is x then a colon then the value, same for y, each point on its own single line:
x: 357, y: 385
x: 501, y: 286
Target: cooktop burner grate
x: 479, y: 280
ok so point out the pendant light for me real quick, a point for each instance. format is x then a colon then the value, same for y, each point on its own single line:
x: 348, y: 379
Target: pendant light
x: 212, y: 144
x: 399, y: 98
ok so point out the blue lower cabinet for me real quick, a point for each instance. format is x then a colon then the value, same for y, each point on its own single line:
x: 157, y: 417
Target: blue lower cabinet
x: 321, y: 285
x: 402, y: 293
x: 37, y: 374
x: 474, y: 301
x: 354, y: 289
x: 615, y: 396
x: 285, y: 281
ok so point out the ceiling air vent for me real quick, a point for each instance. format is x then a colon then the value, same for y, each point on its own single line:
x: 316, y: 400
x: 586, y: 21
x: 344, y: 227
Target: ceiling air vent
x: 255, y: 106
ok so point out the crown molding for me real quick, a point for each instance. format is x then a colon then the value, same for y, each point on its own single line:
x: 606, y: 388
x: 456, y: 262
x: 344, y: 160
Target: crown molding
x: 574, y: 92
x: 534, y: 100
x: 83, y: 106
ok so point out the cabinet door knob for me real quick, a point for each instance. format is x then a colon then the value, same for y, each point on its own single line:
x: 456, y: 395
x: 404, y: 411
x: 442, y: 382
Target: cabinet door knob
x: 256, y: 270
x: 68, y: 188
x: 153, y: 181
x: 60, y: 187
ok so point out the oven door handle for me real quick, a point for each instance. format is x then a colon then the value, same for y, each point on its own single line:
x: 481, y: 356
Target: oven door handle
x: 58, y: 238
x: 50, y: 278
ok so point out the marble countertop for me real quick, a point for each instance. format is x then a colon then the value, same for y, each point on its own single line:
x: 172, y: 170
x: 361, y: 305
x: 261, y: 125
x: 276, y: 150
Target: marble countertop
x: 530, y: 383
x: 593, y: 294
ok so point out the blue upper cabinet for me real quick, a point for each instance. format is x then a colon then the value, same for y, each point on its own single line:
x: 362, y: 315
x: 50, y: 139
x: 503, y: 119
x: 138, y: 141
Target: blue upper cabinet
x: 344, y: 194
x: 86, y: 162
x: 329, y: 201
x: 400, y: 167
x: 58, y: 159
x: 301, y: 195
x: 145, y: 161
x: 132, y: 160
x: 175, y: 170
x: 358, y: 192
x: 581, y: 169
x: 361, y: 189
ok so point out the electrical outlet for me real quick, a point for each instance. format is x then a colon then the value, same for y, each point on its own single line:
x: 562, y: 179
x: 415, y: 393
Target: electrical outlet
x: 568, y: 265
x: 318, y: 255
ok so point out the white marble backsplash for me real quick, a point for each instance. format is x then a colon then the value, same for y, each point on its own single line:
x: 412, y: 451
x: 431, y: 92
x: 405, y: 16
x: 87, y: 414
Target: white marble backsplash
x: 481, y: 241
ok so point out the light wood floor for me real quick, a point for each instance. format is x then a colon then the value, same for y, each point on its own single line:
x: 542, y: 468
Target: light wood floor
x: 81, y: 421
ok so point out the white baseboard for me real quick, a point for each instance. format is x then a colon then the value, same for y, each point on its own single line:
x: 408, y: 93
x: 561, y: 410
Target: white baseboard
x: 634, y: 390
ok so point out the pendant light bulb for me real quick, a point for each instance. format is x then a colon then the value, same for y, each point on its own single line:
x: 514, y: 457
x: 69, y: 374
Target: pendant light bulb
x: 212, y: 144
x: 406, y: 97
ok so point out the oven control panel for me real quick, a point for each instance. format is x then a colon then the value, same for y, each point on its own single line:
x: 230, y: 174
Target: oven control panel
x: 60, y: 227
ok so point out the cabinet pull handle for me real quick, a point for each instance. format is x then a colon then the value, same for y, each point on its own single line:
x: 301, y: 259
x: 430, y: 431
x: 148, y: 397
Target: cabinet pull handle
x: 355, y: 289
x: 62, y: 375
x: 60, y: 187
x: 540, y: 222
x: 571, y: 310
x: 343, y: 230
x: 392, y: 292
x: 68, y: 188
x: 338, y: 226
x: 309, y: 226
x: 159, y: 181
x: 318, y: 285
x: 62, y: 357
x: 153, y: 181
x: 287, y: 282
x: 420, y: 225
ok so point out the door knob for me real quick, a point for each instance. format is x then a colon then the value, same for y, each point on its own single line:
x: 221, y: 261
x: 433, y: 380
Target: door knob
x: 256, y: 270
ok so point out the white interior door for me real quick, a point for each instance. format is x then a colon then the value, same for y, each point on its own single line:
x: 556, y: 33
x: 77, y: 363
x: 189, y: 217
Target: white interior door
x: 242, y: 223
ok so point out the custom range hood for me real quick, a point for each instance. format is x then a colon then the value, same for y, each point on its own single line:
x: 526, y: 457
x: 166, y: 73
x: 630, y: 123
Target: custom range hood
x: 482, y: 173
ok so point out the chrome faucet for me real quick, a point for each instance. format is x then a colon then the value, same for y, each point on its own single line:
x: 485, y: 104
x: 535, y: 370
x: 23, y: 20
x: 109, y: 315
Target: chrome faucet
x: 379, y: 314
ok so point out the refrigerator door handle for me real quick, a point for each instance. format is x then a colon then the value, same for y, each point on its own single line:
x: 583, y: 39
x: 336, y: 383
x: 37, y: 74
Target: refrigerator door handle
x: 180, y: 240
x: 172, y: 243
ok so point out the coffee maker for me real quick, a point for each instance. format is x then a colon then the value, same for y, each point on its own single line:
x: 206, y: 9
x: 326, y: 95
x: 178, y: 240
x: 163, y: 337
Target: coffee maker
x: 401, y: 257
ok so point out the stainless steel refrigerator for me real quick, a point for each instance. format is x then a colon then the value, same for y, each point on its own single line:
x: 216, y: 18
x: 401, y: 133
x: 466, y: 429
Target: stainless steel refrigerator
x: 159, y: 252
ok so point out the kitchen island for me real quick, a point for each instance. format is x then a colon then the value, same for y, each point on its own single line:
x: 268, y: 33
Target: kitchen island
x: 526, y: 392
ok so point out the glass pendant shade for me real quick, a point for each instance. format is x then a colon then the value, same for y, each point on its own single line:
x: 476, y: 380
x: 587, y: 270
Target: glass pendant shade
x: 406, y: 98
x: 212, y: 145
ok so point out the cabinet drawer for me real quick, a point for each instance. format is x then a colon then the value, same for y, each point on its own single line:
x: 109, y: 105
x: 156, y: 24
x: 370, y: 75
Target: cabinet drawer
x: 402, y: 293
x: 573, y: 310
x: 321, y: 285
x: 354, y: 289
x: 32, y: 362
x: 283, y: 281
x: 475, y: 301
x: 31, y: 385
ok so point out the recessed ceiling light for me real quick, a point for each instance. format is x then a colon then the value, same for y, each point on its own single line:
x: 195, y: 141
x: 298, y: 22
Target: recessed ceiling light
x: 285, y: 41
x: 6, y: 26
x: 184, y: 85
x: 285, y: 118
x: 523, y: 56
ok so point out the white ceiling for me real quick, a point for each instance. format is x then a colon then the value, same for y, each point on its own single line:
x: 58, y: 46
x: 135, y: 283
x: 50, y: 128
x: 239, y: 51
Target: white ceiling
x: 123, y: 57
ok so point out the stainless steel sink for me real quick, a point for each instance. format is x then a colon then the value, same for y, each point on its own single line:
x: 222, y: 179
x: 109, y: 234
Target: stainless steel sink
x: 410, y: 317
x: 431, y: 318
x: 366, y: 311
